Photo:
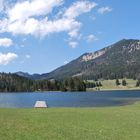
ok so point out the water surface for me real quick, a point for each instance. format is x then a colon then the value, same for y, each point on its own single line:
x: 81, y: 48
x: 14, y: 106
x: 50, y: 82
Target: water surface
x: 69, y: 99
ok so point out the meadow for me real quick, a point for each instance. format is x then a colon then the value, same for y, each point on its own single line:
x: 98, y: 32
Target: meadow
x: 111, y: 85
x: 103, y: 123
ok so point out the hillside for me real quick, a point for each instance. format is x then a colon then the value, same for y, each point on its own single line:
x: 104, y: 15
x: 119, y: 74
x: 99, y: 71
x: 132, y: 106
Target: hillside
x: 29, y: 76
x: 119, y: 60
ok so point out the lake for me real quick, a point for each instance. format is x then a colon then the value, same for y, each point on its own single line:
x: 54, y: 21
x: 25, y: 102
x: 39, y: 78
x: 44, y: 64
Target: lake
x: 69, y: 99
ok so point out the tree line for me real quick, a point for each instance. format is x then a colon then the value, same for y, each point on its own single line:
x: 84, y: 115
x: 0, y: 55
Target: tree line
x: 14, y: 83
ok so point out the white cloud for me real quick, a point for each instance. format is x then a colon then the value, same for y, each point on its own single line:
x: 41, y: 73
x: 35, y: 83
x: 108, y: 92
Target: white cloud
x: 91, y: 38
x: 66, y: 62
x: 79, y: 8
x: 73, y: 33
x: 76, y: 10
x: 25, y: 9
x: 73, y: 44
x: 44, y: 27
x: 7, y: 58
x: 32, y: 16
x: 5, y: 42
x: 28, y: 56
x: 103, y: 10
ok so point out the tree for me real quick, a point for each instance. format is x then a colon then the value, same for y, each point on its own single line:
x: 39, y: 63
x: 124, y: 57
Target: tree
x: 71, y: 84
x: 138, y: 83
x: 117, y: 82
x: 100, y: 84
x: 124, y: 83
x: 97, y: 84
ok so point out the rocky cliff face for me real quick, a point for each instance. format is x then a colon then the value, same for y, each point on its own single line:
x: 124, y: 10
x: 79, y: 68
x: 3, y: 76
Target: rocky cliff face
x: 92, y: 56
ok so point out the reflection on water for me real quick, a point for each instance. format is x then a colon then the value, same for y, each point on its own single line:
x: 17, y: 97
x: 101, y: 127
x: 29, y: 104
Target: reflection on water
x: 76, y: 99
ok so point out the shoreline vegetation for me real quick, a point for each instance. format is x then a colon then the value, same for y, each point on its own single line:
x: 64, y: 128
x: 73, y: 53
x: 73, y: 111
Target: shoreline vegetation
x: 104, y: 123
x: 14, y: 83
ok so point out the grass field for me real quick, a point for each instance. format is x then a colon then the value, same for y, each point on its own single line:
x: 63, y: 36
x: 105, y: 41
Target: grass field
x: 109, y: 123
x: 111, y: 85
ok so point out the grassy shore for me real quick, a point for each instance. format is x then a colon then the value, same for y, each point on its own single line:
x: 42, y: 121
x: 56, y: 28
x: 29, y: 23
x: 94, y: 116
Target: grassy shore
x: 111, y: 85
x: 109, y: 123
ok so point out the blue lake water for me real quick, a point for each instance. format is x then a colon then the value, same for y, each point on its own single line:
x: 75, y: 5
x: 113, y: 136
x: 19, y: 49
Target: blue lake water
x: 69, y: 99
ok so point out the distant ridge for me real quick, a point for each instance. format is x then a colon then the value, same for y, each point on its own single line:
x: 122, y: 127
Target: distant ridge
x: 27, y: 75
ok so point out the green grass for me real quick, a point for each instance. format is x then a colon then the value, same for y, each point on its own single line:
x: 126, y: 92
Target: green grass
x: 109, y: 123
x: 111, y: 85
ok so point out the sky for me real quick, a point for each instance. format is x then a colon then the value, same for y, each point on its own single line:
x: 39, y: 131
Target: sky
x: 38, y: 36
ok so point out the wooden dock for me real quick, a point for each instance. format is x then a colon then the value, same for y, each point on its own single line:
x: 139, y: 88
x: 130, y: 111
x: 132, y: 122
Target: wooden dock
x: 40, y: 104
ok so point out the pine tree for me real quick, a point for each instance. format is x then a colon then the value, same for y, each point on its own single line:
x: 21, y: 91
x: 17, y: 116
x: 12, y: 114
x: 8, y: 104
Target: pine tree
x: 124, y: 82
x: 100, y: 84
x: 137, y: 83
x: 117, y: 82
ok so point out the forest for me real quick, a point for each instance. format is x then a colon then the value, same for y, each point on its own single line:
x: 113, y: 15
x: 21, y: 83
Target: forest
x: 14, y: 83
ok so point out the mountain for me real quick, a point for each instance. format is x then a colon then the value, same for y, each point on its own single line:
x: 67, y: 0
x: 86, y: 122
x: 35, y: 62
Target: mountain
x: 23, y: 74
x: 119, y: 60
x: 31, y: 76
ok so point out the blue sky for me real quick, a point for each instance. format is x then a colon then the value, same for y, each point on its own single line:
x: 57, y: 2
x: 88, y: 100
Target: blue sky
x: 37, y: 36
